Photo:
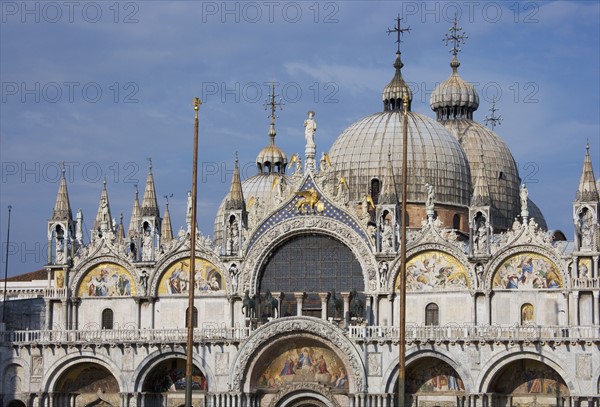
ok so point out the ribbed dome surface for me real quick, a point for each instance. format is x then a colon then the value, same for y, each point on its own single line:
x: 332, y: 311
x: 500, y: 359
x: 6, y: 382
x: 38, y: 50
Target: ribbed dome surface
x: 500, y: 169
x: 434, y: 156
x: 454, y: 91
x: 271, y: 155
x: 536, y: 214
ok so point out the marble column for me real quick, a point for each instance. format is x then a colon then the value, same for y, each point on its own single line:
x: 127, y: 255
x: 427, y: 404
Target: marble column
x: 324, y: 297
x: 299, y: 303
x: 346, y: 297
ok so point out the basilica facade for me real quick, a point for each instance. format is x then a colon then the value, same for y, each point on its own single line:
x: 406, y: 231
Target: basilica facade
x: 296, y: 292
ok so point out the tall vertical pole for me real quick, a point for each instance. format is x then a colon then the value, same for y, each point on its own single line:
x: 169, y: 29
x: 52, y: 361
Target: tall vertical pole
x: 6, y: 271
x: 402, y: 279
x: 189, y: 363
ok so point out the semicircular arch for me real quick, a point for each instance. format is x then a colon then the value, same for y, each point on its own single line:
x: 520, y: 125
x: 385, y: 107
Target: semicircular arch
x: 307, y: 225
x: 460, y: 272
x: 414, y: 356
x: 61, y: 366
x: 152, y: 360
x: 281, y: 330
x: 495, y: 365
x: 82, y: 272
x: 507, y: 255
x: 210, y: 264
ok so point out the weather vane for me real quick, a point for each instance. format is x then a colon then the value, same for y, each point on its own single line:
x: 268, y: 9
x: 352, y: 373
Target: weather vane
x: 272, y: 104
x: 397, y: 29
x: 455, y: 37
x: 492, y: 118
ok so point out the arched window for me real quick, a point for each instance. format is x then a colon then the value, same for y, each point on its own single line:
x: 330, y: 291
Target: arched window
x: 375, y: 190
x: 194, y: 317
x: 526, y: 313
x: 432, y: 314
x: 107, y: 319
x: 456, y: 222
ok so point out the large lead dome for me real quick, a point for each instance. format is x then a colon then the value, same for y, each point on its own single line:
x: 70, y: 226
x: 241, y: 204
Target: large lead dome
x: 435, y: 157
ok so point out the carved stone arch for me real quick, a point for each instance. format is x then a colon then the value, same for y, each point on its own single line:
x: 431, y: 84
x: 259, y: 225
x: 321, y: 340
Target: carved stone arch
x: 497, y: 363
x: 289, y: 393
x: 448, y: 249
x: 20, y: 362
x: 414, y: 355
x: 287, y: 328
x: 58, y: 368
x: 491, y: 268
x: 81, y: 270
x: 583, y: 207
x: 153, y: 359
x: 280, y: 233
x: 201, y: 253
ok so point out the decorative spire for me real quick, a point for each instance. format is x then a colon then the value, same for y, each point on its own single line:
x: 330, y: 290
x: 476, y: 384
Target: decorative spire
x: 481, y: 192
x: 149, y: 203
x: 456, y: 38
x: 167, y: 230
x: 397, y: 90
x: 103, y: 217
x: 62, y: 207
x: 492, y: 118
x: 134, y: 223
x: 235, y: 198
x: 587, y: 191
x: 388, y: 194
x: 121, y: 230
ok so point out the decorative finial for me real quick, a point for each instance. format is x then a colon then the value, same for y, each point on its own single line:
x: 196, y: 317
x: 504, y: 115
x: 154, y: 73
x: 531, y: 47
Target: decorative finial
x: 272, y: 104
x: 455, y: 37
x: 121, y: 218
x: 104, y: 182
x: 399, y: 30
x: 62, y: 168
x: 492, y: 118
x: 389, y: 152
x: 167, y: 199
x: 196, y: 103
x: 149, y: 163
x: 136, y: 190
x: 236, y: 157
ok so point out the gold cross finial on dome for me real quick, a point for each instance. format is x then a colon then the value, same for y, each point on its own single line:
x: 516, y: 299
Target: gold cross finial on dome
x: 399, y: 30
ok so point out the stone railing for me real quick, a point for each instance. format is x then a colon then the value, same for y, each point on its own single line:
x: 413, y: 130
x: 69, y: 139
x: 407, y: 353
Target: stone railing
x: 21, y: 293
x: 122, y: 336
x: 55, y: 292
x: 477, y: 333
x: 584, y: 282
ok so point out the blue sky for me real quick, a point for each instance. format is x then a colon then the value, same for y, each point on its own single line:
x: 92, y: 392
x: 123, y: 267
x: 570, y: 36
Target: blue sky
x: 104, y: 85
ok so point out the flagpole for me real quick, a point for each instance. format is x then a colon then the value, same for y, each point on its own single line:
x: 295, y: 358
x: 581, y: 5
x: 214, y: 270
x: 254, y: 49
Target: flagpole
x: 189, y: 363
x: 402, y: 277
x: 6, y: 271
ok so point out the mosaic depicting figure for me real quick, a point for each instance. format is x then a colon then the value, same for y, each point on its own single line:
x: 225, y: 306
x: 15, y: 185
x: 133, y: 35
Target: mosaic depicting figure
x: 530, y: 377
x: 169, y: 376
x: 176, y: 279
x: 526, y: 271
x: 296, y: 363
x: 107, y: 280
x: 432, y: 270
x: 433, y: 376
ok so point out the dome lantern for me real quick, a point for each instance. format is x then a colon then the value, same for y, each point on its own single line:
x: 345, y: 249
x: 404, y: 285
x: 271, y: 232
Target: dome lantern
x: 454, y: 98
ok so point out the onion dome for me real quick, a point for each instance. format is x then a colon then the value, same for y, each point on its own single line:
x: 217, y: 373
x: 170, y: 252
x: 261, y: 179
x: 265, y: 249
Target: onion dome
x: 397, y: 91
x: 454, y: 98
